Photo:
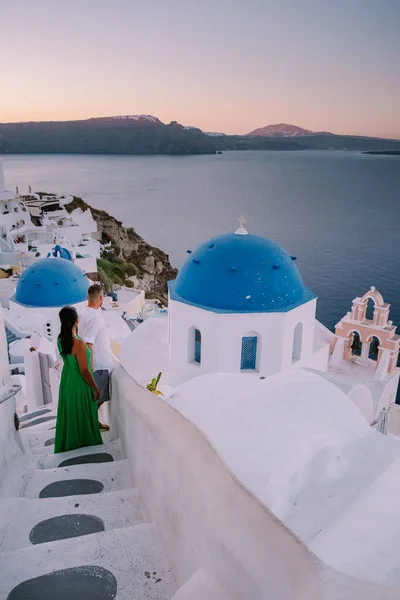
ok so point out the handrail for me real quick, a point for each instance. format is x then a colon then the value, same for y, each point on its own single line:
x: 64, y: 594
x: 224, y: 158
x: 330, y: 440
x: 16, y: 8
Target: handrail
x: 17, y: 331
x: 12, y: 392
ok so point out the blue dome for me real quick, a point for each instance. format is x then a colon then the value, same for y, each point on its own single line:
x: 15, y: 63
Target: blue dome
x: 52, y: 282
x: 240, y: 273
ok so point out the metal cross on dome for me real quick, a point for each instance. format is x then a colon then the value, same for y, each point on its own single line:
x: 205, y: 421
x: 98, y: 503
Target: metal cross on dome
x: 241, y: 230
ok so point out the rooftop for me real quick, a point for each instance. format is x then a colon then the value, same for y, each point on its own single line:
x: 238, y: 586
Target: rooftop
x: 51, y: 282
x: 240, y: 272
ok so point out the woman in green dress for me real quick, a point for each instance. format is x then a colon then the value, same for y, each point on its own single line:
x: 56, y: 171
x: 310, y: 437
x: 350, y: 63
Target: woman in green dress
x: 77, y: 415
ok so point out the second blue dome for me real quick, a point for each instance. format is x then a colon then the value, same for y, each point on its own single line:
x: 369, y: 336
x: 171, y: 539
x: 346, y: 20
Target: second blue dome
x: 52, y: 282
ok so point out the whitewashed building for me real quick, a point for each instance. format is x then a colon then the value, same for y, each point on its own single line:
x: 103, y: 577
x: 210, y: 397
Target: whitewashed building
x: 239, y: 305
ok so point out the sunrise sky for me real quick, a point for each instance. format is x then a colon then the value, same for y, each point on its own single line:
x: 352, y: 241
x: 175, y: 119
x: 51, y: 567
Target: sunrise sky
x: 222, y: 65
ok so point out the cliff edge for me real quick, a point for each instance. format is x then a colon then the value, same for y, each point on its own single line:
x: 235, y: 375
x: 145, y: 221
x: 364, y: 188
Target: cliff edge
x: 127, y: 258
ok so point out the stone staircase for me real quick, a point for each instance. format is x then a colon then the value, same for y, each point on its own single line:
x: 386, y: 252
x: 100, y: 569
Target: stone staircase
x: 72, y: 527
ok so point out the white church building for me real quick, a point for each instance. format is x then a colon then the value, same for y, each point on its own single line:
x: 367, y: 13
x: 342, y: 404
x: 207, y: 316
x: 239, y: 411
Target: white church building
x: 239, y: 305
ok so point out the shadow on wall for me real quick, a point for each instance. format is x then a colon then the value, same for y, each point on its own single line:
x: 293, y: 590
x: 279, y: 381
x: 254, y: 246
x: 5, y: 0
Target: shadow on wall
x: 362, y: 398
x: 220, y: 541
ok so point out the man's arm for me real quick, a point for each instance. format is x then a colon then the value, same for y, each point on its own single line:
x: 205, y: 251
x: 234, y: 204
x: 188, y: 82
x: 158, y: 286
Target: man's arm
x: 88, y: 333
x: 81, y: 356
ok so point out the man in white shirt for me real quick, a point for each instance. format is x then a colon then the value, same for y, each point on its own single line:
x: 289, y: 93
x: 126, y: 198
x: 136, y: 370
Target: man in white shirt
x: 92, y: 329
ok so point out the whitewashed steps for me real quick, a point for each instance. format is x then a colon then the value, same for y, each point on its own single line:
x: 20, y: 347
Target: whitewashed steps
x: 18, y: 516
x: 113, y: 476
x: 133, y: 555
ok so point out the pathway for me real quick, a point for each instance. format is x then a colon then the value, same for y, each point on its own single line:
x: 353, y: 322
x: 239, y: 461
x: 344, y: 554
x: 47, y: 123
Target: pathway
x: 73, y: 527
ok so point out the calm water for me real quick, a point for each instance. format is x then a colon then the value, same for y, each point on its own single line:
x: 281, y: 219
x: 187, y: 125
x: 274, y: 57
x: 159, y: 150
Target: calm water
x: 338, y: 212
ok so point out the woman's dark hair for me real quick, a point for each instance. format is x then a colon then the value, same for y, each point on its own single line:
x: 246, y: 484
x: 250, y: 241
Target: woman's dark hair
x: 68, y: 317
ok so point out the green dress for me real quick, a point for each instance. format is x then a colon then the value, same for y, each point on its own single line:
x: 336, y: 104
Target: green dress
x: 77, y: 414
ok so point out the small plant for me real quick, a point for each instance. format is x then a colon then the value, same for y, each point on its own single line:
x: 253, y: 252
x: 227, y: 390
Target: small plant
x: 116, y: 248
x: 152, y: 387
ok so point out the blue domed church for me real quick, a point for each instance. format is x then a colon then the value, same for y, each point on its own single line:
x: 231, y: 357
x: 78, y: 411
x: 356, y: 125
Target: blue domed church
x: 239, y: 304
x: 43, y: 289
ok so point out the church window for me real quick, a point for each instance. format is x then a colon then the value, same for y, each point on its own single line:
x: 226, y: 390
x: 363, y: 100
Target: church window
x: 370, y: 309
x: 249, y: 353
x: 297, y: 342
x: 356, y: 345
x: 197, y: 346
x: 374, y: 348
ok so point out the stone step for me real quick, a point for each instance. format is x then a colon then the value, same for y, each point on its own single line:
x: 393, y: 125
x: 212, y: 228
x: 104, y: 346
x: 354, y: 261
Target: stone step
x: 40, y: 412
x: 69, y: 481
x: 34, y: 442
x: 51, y: 461
x: 125, y: 564
x: 19, y: 516
x: 39, y: 422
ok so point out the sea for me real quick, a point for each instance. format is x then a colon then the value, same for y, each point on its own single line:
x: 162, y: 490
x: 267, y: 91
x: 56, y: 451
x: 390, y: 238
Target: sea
x: 337, y: 211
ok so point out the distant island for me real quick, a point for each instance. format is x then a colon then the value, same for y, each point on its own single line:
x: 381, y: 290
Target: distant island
x: 145, y: 134
x: 280, y: 130
x: 141, y: 134
x: 385, y: 152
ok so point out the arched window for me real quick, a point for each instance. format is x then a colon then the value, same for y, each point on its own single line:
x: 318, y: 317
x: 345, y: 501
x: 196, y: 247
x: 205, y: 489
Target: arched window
x: 374, y: 348
x: 249, y: 353
x: 297, y: 342
x: 369, y: 313
x: 356, y: 345
x: 196, y: 346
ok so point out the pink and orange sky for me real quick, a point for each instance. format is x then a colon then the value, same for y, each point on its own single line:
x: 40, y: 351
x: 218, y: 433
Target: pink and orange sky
x: 222, y: 65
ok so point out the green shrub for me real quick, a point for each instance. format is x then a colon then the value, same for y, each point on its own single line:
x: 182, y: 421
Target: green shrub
x: 129, y: 283
x: 131, y: 269
x: 132, y: 235
x: 108, y: 254
x: 116, y: 270
x: 76, y: 203
x: 105, y: 279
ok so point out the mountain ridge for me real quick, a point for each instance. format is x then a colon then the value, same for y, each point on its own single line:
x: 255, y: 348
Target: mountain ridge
x: 147, y: 134
x: 125, y: 134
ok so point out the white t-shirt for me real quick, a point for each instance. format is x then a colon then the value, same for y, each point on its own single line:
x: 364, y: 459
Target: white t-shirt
x: 92, y: 329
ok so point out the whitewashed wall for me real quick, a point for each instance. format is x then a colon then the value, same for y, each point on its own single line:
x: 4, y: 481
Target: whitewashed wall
x: 88, y: 264
x: 4, y: 366
x: 221, y: 337
x: 38, y: 317
x: 388, y: 396
x: 220, y: 541
x: 10, y: 445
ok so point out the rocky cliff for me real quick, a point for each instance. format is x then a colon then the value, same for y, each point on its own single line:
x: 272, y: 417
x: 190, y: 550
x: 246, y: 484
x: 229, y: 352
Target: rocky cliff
x: 127, y: 258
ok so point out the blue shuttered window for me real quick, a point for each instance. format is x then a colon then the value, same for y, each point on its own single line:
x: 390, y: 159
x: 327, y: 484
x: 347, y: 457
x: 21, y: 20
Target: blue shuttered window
x: 197, y: 346
x: 249, y: 353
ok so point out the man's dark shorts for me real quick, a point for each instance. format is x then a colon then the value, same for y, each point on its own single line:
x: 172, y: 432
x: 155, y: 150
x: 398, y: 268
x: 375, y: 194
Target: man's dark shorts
x: 102, y: 380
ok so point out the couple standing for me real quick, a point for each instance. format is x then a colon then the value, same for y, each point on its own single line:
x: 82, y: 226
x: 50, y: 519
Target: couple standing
x: 85, y: 378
